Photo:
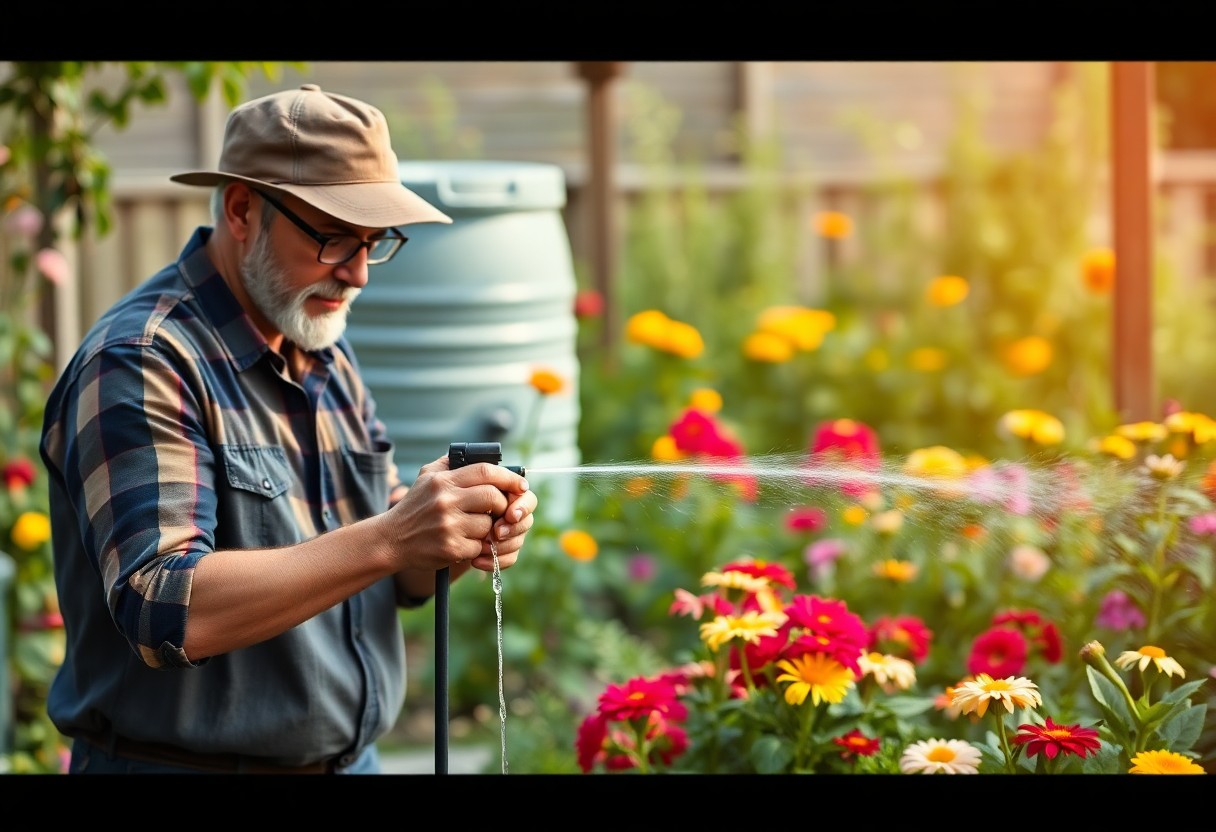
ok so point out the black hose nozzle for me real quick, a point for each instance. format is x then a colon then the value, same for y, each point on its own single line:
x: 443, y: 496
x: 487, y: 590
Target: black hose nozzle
x: 461, y: 454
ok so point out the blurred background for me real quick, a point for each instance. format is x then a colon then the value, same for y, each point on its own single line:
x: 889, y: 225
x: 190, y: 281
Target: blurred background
x: 953, y: 224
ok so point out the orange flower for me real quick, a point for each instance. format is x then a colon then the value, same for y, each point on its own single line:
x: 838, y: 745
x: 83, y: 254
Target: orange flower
x: 1098, y: 270
x: 947, y: 290
x: 900, y: 571
x: 705, y: 399
x: 767, y: 347
x: 546, y: 382
x: 832, y: 224
x: 928, y: 359
x: 578, y: 544
x: 664, y: 449
x: 1028, y: 356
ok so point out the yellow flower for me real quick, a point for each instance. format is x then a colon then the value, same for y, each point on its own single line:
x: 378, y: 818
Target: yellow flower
x: 891, y: 672
x: 1149, y: 654
x: 546, y: 382
x: 1143, y: 431
x: 854, y: 515
x: 648, y: 327
x: 824, y: 678
x: 900, y: 571
x: 1034, y: 425
x: 1098, y: 270
x: 735, y: 579
x: 947, y: 290
x: 31, y: 530
x: 976, y: 694
x: 936, y: 461
x: 1164, y: 762
x: 1117, y: 446
x: 928, y: 359
x: 1028, y: 356
x: 750, y: 627
x: 832, y: 224
x: 801, y: 326
x: 705, y: 399
x: 683, y: 340
x: 1196, y: 426
x: 578, y: 544
x: 664, y: 449
x: 767, y: 347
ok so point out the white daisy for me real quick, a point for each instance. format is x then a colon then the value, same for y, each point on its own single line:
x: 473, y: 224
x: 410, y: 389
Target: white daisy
x: 938, y: 756
x: 891, y: 672
x: 1149, y: 653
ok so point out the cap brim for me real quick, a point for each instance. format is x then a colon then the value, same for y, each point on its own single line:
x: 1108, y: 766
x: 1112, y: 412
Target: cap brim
x: 369, y: 204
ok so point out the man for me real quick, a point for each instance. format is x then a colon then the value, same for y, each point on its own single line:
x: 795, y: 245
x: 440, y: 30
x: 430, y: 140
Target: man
x: 231, y: 537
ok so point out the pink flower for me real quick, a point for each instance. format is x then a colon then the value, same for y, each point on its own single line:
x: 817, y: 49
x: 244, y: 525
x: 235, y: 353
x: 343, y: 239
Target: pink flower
x: 999, y: 652
x: 641, y: 568
x: 1203, y: 523
x: 821, y: 554
x: 25, y: 220
x: 1119, y: 612
x: 53, y: 265
x: 806, y: 519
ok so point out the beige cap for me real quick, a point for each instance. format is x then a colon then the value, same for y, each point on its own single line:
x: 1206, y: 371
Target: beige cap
x: 329, y: 150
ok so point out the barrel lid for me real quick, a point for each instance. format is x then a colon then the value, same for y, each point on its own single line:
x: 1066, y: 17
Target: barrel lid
x: 483, y: 185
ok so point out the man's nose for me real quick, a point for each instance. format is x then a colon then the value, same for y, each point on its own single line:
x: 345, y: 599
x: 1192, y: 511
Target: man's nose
x: 354, y: 271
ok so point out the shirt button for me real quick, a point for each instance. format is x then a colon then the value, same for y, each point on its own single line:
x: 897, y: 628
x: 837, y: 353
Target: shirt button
x: 266, y: 484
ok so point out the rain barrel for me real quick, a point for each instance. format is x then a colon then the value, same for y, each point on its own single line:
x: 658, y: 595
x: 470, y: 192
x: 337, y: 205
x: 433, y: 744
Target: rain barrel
x: 449, y: 332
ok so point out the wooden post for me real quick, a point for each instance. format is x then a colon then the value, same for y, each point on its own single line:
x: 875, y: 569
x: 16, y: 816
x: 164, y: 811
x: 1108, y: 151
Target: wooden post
x: 601, y: 185
x: 1132, y: 196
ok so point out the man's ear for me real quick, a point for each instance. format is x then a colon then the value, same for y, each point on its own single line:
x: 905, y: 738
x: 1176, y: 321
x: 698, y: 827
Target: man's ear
x: 239, y: 213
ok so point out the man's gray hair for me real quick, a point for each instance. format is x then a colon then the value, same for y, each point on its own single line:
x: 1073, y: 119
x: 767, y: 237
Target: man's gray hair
x: 217, y: 207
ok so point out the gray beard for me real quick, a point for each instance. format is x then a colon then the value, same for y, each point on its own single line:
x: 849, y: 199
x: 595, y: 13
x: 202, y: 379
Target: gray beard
x: 268, y: 286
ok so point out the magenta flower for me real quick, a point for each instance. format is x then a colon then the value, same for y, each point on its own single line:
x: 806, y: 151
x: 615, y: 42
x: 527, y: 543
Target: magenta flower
x: 1203, y: 523
x: 1119, y: 612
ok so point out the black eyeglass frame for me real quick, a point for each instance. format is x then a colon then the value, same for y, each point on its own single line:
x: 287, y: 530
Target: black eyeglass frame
x: 324, y: 239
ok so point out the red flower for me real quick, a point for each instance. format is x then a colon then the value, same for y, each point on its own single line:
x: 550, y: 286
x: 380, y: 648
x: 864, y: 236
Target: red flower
x: 775, y: 572
x: 1052, y: 739
x: 806, y: 519
x: 1041, y: 633
x: 999, y: 652
x: 589, y: 743
x: 695, y: 432
x: 639, y: 698
x: 18, y: 474
x: 588, y: 303
x: 845, y: 440
x: 858, y: 743
x: 903, y: 635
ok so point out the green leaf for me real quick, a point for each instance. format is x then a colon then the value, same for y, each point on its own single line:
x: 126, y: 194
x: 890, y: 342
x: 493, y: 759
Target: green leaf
x: 907, y: 706
x: 1183, y: 691
x: 1106, y: 760
x: 771, y: 755
x: 1182, y: 729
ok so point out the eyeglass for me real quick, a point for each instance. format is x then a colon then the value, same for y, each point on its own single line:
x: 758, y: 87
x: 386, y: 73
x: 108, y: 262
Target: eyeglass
x: 338, y: 248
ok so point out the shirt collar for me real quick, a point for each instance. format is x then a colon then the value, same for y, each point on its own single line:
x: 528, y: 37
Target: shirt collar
x: 244, y: 343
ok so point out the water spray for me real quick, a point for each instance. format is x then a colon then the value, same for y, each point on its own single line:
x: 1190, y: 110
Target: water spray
x: 460, y: 454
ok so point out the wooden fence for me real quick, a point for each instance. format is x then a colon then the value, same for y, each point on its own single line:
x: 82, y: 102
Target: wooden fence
x: 152, y: 218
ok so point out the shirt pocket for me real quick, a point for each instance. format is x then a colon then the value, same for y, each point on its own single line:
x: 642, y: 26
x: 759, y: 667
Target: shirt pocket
x: 255, y: 506
x: 365, y: 479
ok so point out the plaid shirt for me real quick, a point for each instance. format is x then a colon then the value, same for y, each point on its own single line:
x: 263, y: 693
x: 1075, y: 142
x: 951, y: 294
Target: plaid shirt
x: 176, y: 431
